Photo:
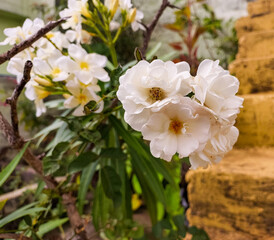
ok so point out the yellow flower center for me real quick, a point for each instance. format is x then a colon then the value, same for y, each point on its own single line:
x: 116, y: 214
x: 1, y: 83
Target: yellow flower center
x: 82, y: 98
x: 84, y: 65
x: 50, y: 35
x: 56, y: 71
x: 156, y: 94
x: 175, y: 126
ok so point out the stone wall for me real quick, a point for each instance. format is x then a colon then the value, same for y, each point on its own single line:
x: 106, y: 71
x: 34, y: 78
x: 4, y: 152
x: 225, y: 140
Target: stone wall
x: 234, y: 200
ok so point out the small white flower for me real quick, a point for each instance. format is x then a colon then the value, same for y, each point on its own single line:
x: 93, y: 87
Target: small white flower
x: 136, y: 23
x: 75, y: 9
x: 19, y: 34
x: 86, y: 67
x: 81, y: 95
x: 181, y: 126
x: 36, y: 93
x: 81, y: 36
x: 52, y: 67
x: 125, y: 4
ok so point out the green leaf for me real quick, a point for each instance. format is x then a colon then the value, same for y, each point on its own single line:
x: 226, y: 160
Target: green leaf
x: 6, y: 172
x: 141, y: 160
x: 21, y: 212
x: 111, y: 183
x: 101, y: 207
x: 91, y: 136
x: 179, y: 222
x: 85, y: 180
x: 152, y: 52
x: 50, y: 225
x: 82, y: 161
x: 60, y: 149
x: 50, y: 165
x: 198, y: 234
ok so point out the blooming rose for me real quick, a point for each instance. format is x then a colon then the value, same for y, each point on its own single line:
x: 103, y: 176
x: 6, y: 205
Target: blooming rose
x: 215, y: 88
x: 181, y: 126
x: 148, y: 86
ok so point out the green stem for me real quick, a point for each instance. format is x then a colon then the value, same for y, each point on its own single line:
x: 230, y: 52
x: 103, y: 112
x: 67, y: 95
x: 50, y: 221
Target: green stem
x: 113, y: 54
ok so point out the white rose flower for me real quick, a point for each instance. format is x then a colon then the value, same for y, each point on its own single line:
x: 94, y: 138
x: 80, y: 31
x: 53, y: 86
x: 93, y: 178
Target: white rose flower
x: 215, y: 88
x: 148, y: 86
x: 217, y: 146
x: 181, y: 126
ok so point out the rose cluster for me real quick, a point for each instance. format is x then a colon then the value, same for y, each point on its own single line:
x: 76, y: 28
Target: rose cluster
x: 179, y: 113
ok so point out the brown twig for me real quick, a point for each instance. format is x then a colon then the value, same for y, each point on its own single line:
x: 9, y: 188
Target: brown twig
x: 12, y: 101
x: 150, y: 28
x: 13, y: 236
x: 28, y: 42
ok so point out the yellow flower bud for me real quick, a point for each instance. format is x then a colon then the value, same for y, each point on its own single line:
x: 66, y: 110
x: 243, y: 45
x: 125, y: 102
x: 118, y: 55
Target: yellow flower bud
x: 85, y: 11
x: 114, y: 7
x: 132, y: 15
x: 41, y: 92
x: 42, y: 81
x: 66, y: 95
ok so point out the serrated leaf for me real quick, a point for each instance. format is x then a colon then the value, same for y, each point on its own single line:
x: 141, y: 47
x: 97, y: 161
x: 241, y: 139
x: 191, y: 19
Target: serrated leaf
x: 111, y: 183
x: 6, y: 172
x: 83, y: 160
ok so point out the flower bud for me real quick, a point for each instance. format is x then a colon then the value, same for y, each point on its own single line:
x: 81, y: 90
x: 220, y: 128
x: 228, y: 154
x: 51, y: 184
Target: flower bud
x: 41, y: 92
x: 42, y: 81
x: 132, y: 15
x: 85, y: 11
x: 114, y: 7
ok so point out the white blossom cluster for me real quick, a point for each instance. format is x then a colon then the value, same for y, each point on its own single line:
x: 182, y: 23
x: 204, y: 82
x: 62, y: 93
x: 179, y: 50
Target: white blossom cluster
x: 179, y: 113
x: 59, y: 67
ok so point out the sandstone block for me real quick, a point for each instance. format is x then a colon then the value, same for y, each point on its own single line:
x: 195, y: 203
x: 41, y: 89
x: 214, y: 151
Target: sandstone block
x: 250, y: 24
x: 260, y: 7
x: 255, y: 74
x: 255, y: 122
x: 257, y: 44
x: 236, y: 197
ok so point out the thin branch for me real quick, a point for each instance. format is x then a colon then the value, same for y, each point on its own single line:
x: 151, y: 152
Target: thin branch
x: 28, y: 42
x: 12, y: 101
x: 150, y: 28
x: 13, y: 236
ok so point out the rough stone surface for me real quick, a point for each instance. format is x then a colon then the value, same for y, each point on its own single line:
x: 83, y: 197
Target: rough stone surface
x: 257, y: 44
x: 235, y: 199
x: 255, y: 74
x: 251, y: 24
x: 255, y: 122
x: 261, y: 7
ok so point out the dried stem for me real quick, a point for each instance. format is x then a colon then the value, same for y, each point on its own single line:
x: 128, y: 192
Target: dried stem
x: 11, y: 132
x: 13, y: 236
x: 28, y: 42
x: 12, y: 101
x: 150, y: 28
